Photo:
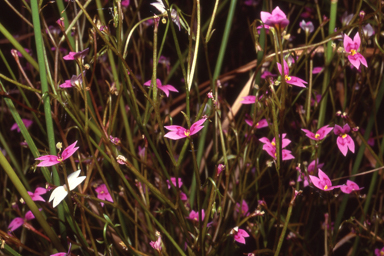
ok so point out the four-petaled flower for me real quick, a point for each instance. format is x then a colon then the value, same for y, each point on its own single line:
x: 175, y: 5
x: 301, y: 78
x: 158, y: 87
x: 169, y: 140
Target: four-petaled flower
x: 59, y: 193
x: 344, y: 141
x: 26, y: 122
x: 322, y: 182
x: 194, y: 216
x: 156, y: 245
x: 50, y: 160
x: 173, y: 180
x: 307, y: 26
x: 243, y: 209
x: 178, y: 132
x: 250, y: 99
x: 36, y: 196
x: 270, y: 147
x: 350, y: 187
x: 76, y: 55
x: 276, y: 18
x: 18, y: 222
x: 320, y: 134
x: 114, y: 140
x: 165, y: 88
x: 239, y: 235
x: 261, y: 124
x: 352, y: 47
x: 290, y: 79
x: 103, y: 194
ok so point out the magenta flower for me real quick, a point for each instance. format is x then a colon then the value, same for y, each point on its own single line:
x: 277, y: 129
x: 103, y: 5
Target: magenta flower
x: 322, y: 182
x: 64, y: 253
x: 76, y: 81
x: 173, y: 180
x: 194, y: 216
x: 267, y: 74
x: 261, y: 124
x: 244, y: 208
x: 165, y: 88
x: 320, y: 134
x: 352, y: 47
x: 156, y: 245
x: 290, y: 79
x: 36, y: 196
x: 239, y: 235
x: 250, y: 99
x: 307, y: 26
x: 379, y: 252
x: 18, y: 222
x: 178, y: 132
x: 114, y: 140
x: 220, y: 168
x: 50, y: 160
x: 277, y: 18
x: 344, y: 141
x: 125, y: 3
x: 66, y: 84
x: 76, y: 55
x: 270, y: 147
x: 311, y: 166
x: 103, y: 194
x: 317, y: 70
x: 350, y: 187
x: 26, y: 122
x: 307, y: 13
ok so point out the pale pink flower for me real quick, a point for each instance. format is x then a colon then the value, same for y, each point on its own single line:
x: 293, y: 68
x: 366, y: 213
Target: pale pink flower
x: 76, y: 55
x: 344, y: 141
x: 194, y: 216
x: 320, y: 134
x: 351, y: 47
x: 50, y: 160
x: 261, y: 124
x: 220, y: 168
x: 307, y: 26
x: 103, y: 194
x: 26, y: 122
x: 276, y: 18
x: 165, y: 88
x: 367, y: 30
x: 250, y: 99
x: 173, y: 180
x: 178, y: 132
x: 156, y: 245
x: 75, y: 81
x: 60, y: 22
x: 243, y: 209
x: 350, y: 187
x: 322, y: 182
x: 317, y: 70
x: 36, y: 196
x: 239, y: 235
x: 270, y: 147
x: 290, y: 79
x: 346, y: 18
x: 114, y: 140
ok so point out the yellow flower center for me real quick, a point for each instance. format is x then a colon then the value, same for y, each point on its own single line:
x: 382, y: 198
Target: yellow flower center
x: 353, y: 52
x: 257, y: 124
x: 60, y: 159
x: 101, y: 192
x: 273, y: 143
x: 382, y: 253
x: 195, y: 219
x: 287, y: 78
x: 326, y: 187
x: 317, y: 135
x: 187, y: 132
x: 343, y: 135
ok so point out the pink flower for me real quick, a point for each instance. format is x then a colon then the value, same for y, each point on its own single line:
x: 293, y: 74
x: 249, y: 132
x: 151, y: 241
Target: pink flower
x: 307, y: 13
x: 311, y: 166
x: 220, y: 168
x: 178, y: 132
x: 317, y: 70
x: 320, y: 134
x: 18, y: 222
x: 64, y: 253
x: 173, y: 180
x: 164, y: 88
x: 267, y: 74
x: 36, y: 195
x: 323, y: 182
x: 76, y: 81
x: 76, y: 55
x: 239, y: 235
x: 194, y: 216
x: 266, y: 27
x: 103, y: 194
x: 350, y: 187
x: 60, y: 22
x: 156, y: 245
x: 250, y: 99
x: 244, y: 208
x: 66, y: 84
x: 125, y: 3
x: 261, y: 124
x: 344, y: 141
x: 351, y: 47
x: 307, y: 26
x: 277, y: 18
x: 368, y: 31
x: 379, y: 252
x: 50, y: 160
x: 346, y: 18
x: 26, y: 122
x: 270, y: 147
x: 290, y: 79
x: 114, y: 140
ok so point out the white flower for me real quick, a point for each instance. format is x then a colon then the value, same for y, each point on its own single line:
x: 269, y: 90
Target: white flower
x: 61, y: 192
x: 159, y: 6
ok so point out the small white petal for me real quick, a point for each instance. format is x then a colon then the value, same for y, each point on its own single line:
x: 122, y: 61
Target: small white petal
x: 58, y: 195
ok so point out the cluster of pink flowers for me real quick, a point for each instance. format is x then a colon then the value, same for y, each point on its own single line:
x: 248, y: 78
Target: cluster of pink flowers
x: 270, y: 147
